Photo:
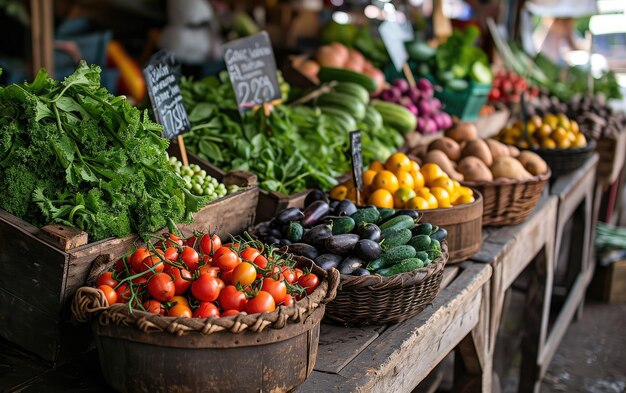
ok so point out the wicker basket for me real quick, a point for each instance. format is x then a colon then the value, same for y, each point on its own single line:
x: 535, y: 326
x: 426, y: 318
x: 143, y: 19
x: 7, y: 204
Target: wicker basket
x: 366, y: 300
x: 509, y: 202
x: 563, y: 161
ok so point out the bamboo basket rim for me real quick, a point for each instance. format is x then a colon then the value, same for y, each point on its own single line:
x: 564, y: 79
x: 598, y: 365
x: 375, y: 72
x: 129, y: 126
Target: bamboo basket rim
x: 506, y: 181
x: 591, y: 145
x: 90, y: 303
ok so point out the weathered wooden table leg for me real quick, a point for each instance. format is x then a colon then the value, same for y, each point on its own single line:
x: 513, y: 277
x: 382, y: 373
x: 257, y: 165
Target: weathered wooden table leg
x: 536, y: 316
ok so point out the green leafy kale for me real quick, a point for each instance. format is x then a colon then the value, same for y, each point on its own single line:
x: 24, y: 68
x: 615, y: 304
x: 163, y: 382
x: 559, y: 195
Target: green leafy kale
x: 72, y: 153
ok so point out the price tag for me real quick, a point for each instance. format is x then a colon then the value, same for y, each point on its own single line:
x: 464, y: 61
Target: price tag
x: 356, y: 152
x: 252, y: 69
x: 393, y: 36
x: 162, y: 75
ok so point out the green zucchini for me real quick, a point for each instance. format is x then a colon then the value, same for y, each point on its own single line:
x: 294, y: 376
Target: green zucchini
x: 353, y: 89
x: 343, y: 225
x: 329, y: 74
x: 343, y: 120
x: 373, y: 118
x: 396, y: 116
x: 350, y: 104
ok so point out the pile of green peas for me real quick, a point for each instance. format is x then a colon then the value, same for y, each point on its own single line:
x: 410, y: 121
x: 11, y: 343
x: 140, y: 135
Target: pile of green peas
x: 198, y: 182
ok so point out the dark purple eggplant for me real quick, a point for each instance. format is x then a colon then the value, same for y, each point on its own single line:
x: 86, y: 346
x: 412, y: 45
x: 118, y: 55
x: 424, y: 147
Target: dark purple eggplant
x: 361, y: 272
x: 271, y: 240
x: 302, y: 249
x: 341, y: 244
x: 367, y: 250
x: 288, y: 215
x: 369, y: 231
x: 333, y: 204
x: 315, y: 212
x: 276, y: 233
x: 327, y: 261
x: 284, y: 242
x: 345, y: 208
x: 317, y: 235
x: 414, y: 214
x: 350, y: 264
x: 315, y: 195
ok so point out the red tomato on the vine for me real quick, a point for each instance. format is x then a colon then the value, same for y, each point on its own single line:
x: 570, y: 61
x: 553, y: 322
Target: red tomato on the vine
x: 179, y: 310
x: 210, y: 243
x: 205, y: 288
x: 210, y: 270
x: 123, y: 293
x: 154, y: 306
x: 249, y: 254
x: 221, y: 283
x: 161, y: 287
x: 178, y: 299
x: 299, y: 273
x: 182, y: 279
x: 106, y: 278
x: 173, y: 240
x: 150, y: 262
x: 226, y: 277
x: 276, y: 288
x: 206, y: 310
x: 261, y: 262
x: 226, y: 260
x: 190, y: 257
x: 137, y: 258
x: 262, y: 302
x: 289, y: 274
x: 171, y: 254
x: 109, y: 293
x: 190, y: 241
x: 288, y: 301
x: 309, y: 282
x: 230, y: 313
x: 244, y: 274
x: 232, y: 299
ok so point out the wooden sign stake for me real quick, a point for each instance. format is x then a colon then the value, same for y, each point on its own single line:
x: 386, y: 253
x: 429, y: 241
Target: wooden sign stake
x: 409, y: 75
x: 183, y: 150
x: 267, y: 108
x: 358, y: 197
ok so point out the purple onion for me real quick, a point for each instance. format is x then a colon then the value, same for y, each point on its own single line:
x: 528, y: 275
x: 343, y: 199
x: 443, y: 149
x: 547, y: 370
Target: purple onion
x: 430, y: 127
x: 413, y: 109
x: 387, y: 95
x: 435, y: 104
x: 421, y: 124
x: 415, y: 95
x: 405, y: 101
x: 447, y: 120
x: 424, y: 107
x: 439, y: 121
x: 423, y: 84
x: 402, y: 85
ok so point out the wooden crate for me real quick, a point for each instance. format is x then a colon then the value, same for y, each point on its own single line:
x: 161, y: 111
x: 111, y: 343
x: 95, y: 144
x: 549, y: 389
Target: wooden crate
x: 612, y: 156
x: 270, y: 203
x: 43, y: 268
x: 609, y: 282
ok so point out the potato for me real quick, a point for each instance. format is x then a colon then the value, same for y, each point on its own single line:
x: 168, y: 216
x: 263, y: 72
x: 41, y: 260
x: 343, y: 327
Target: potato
x: 448, y: 146
x: 462, y: 132
x: 513, y: 151
x: 510, y: 168
x: 440, y: 158
x: 533, y: 163
x: 497, y: 148
x: 478, y: 148
x: 474, y: 169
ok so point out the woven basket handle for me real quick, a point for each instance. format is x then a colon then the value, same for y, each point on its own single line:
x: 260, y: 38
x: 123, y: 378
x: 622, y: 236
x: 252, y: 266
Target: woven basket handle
x: 333, y: 283
x: 88, y: 301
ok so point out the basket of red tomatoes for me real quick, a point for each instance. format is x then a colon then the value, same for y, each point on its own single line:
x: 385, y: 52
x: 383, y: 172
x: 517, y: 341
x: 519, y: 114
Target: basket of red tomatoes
x: 193, y: 314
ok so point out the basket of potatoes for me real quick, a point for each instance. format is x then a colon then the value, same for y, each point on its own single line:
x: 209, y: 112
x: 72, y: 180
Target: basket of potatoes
x: 510, y: 181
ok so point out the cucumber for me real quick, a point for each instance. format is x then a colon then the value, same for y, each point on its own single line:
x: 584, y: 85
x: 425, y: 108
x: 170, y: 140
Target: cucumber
x: 399, y: 222
x: 373, y: 118
x: 343, y: 225
x: 407, y: 265
x: 390, y: 257
x: 353, y: 89
x: 420, y: 242
x: 423, y: 255
x: 435, y: 244
x: 367, y: 215
x: 457, y: 85
x: 433, y: 254
x: 343, y: 120
x: 344, y: 102
x: 440, y: 234
x: 419, y: 51
x: 395, y: 238
x: 328, y: 74
x: 481, y: 73
x: 385, y: 213
x: 295, y: 232
x: 396, y: 116
x: 425, y: 228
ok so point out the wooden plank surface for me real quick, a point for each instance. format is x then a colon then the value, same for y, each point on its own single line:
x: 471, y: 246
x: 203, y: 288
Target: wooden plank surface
x: 339, y: 345
x: 405, y: 353
x: 569, y: 183
x: 449, y: 274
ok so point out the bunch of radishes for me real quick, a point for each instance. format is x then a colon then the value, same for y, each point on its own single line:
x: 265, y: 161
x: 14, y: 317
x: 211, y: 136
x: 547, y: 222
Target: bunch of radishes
x: 508, y: 86
x: 420, y: 101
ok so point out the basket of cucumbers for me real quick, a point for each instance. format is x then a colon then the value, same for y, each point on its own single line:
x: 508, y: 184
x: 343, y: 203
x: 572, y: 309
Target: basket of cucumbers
x: 391, y: 264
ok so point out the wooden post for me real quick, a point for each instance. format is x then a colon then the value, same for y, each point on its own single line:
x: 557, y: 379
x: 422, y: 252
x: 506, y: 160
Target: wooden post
x: 42, y: 35
x: 183, y: 150
x: 409, y: 75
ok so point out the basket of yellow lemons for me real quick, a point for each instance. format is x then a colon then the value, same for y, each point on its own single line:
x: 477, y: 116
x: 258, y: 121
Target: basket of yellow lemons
x: 401, y: 183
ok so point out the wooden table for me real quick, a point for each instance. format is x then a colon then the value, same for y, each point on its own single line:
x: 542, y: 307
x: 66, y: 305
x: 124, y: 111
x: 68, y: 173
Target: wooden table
x: 510, y: 250
x: 396, y: 358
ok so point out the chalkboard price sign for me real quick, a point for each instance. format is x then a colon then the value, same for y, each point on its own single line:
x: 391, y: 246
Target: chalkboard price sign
x: 252, y: 69
x: 356, y: 152
x: 162, y: 74
x: 393, y: 36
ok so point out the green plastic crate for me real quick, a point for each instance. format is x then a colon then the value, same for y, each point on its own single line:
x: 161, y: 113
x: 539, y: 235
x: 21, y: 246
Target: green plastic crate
x: 464, y: 104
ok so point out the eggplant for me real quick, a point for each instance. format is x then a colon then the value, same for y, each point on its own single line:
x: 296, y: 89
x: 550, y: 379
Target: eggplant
x: 263, y: 227
x: 350, y: 264
x: 317, y: 235
x: 288, y: 215
x: 302, y: 249
x: 315, y: 195
x: 441, y: 234
x: 272, y: 241
x: 315, y: 212
x: 284, y: 242
x: 341, y: 244
x: 333, y: 204
x: 367, y: 250
x: 328, y: 261
x: 361, y: 272
x: 328, y: 219
x: 369, y: 231
x: 276, y: 233
x: 414, y: 214
x: 345, y: 208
